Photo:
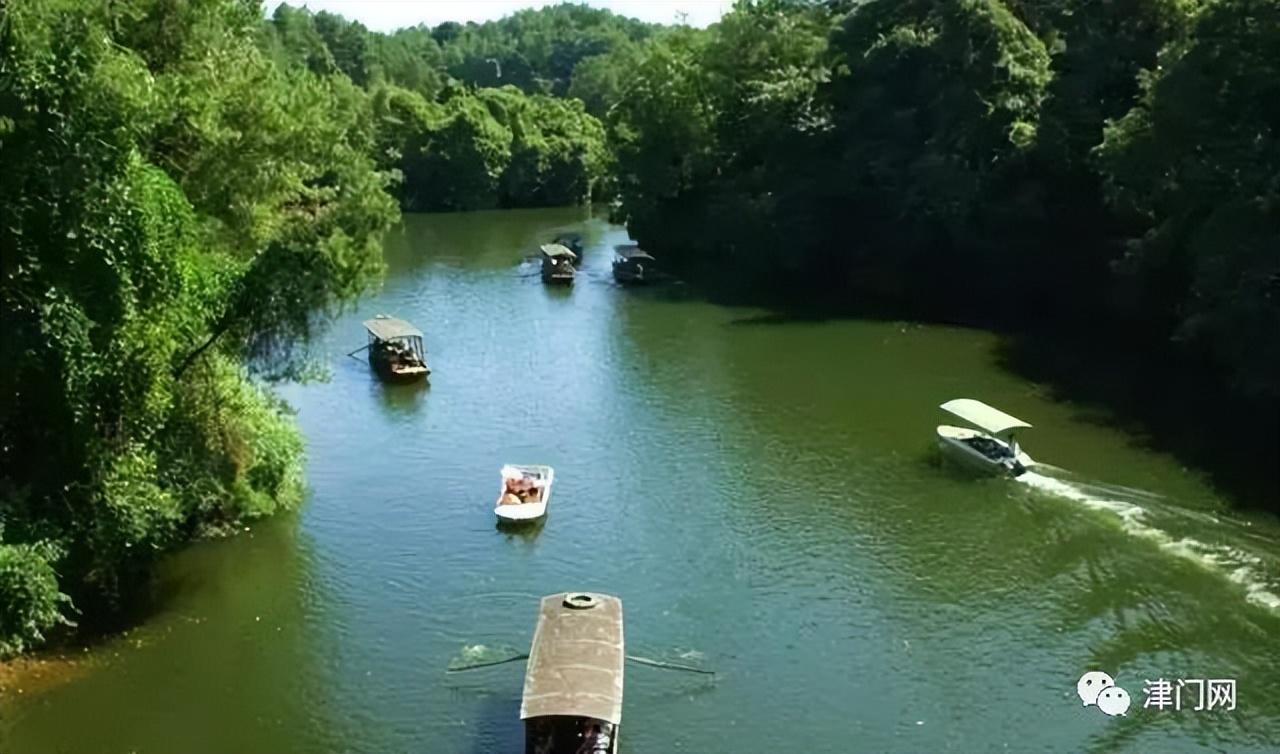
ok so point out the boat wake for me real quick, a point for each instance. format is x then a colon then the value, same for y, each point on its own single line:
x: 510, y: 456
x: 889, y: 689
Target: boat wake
x: 1141, y: 514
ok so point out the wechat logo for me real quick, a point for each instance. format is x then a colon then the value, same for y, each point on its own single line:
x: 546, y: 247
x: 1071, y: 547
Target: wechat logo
x: 1098, y: 689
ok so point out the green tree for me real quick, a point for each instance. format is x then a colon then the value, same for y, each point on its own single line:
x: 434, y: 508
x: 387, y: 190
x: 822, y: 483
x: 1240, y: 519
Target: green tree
x: 663, y: 134
x: 296, y: 40
x: 535, y: 50
x: 454, y: 155
x: 172, y: 212
x: 931, y: 104
x: 557, y: 150
x: 1197, y: 162
x: 408, y: 58
x: 348, y: 44
x: 601, y: 80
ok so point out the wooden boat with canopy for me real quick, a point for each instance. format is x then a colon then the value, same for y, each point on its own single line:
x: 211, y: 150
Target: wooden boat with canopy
x: 572, y: 700
x: 573, y: 242
x: 558, y: 264
x: 630, y: 263
x: 395, y: 349
x: 993, y: 450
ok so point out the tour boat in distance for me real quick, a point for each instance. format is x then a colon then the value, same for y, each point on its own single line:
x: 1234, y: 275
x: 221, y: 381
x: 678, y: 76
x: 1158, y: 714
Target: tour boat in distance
x: 630, y: 263
x: 525, y: 492
x: 395, y: 348
x: 994, y: 449
x: 572, y: 701
x: 557, y: 264
x: 573, y: 242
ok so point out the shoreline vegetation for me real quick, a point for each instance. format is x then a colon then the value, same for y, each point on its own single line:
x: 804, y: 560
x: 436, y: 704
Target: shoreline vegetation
x: 1099, y: 182
x: 190, y: 189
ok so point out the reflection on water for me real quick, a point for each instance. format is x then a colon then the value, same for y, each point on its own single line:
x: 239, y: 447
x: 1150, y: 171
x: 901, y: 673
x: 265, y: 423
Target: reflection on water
x: 757, y: 489
x: 401, y: 400
x: 524, y: 533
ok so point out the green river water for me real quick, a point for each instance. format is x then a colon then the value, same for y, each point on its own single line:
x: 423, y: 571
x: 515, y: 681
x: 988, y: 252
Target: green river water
x: 761, y: 493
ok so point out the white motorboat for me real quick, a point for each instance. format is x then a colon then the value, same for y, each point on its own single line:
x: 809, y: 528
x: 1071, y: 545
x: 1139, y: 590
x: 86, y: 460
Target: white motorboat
x: 994, y: 448
x: 525, y: 492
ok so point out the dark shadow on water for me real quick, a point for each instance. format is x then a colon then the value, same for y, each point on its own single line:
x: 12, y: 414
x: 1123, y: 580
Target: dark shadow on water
x: 526, y: 532
x: 1234, y: 440
x: 560, y: 293
x: 663, y: 291
x: 400, y: 398
x: 276, y: 538
x: 1167, y: 402
x: 792, y: 315
x: 497, y: 726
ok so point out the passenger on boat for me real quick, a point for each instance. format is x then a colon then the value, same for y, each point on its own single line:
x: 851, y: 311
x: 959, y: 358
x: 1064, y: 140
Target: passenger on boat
x: 595, y: 739
x: 528, y: 490
x: 519, y: 490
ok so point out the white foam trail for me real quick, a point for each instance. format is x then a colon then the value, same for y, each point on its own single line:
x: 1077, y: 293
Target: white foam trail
x: 1238, y: 566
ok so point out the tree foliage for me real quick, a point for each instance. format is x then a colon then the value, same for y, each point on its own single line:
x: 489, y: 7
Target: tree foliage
x: 1061, y: 165
x: 1197, y: 162
x: 174, y: 208
x: 535, y: 50
x: 458, y: 111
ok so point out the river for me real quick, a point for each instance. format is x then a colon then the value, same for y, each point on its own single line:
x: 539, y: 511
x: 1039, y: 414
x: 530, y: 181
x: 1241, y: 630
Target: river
x: 760, y: 492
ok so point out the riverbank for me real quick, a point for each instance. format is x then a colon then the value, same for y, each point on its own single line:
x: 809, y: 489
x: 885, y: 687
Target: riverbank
x: 37, y: 674
x: 1167, y: 403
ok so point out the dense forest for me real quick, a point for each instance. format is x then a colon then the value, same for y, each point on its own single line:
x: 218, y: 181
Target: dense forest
x: 474, y: 116
x: 177, y: 211
x: 1100, y: 180
x: 190, y: 186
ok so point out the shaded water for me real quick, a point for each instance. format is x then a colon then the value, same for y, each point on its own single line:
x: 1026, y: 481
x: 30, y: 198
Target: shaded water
x: 762, y: 495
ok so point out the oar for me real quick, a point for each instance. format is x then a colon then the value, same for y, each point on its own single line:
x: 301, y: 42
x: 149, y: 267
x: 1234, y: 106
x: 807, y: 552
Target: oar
x: 669, y: 665
x: 486, y: 664
x: 633, y: 658
x: 358, y: 350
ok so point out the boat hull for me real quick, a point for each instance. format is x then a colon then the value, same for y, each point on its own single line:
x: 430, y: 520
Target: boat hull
x: 520, y: 514
x: 957, y: 445
x: 399, y: 375
x: 628, y: 275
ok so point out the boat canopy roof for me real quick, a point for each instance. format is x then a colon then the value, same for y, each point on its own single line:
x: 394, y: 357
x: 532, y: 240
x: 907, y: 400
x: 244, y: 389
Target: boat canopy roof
x: 390, y: 328
x: 575, y: 664
x: 631, y: 251
x: 983, y: 416
x: 558, y: 250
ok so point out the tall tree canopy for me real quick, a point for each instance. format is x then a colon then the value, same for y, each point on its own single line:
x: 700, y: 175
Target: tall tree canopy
x: 460, y: 111
x: 1054, y: 166
x: 174, y: 206
x: 1197, y: 163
